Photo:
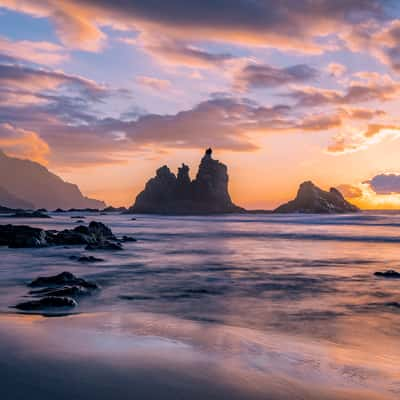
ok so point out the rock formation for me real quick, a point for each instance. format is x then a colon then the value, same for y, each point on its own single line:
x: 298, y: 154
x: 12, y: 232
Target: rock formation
x: 312, y: 199
x: 37, y: 187
x: 96, y: 236
x: 170, y: 194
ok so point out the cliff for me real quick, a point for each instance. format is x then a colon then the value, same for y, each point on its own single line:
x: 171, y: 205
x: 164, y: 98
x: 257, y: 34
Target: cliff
x: 170, y: 194
x: 30, y: 182
x: 312, y: 199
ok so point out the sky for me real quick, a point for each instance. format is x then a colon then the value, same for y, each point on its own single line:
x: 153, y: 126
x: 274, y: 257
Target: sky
x: 103, y: 93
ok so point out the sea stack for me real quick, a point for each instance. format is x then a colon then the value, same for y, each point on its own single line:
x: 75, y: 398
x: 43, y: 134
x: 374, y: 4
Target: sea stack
x: 311, y: 199
x: 170, y: 194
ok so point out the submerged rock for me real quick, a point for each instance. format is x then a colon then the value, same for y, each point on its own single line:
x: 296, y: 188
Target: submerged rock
x: 47, y: 302
x: 128, y: 239
x: 312, y: 199
x: 86, y: 259
x: 62, y: 279
x: 170, y: 194
x: 30, y: 214
x: 388, y: 274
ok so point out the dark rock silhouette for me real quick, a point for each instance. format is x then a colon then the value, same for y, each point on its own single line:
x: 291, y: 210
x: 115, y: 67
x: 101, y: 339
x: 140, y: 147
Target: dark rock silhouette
x: 170, y: 194
x: 64, y: 278
x: 47, y: 302
x: 312, y: 199
x: 391, y: 274
x: 9, y: 200
x: 38, y: 187
x: 20, y: 236
x: 96, y: 236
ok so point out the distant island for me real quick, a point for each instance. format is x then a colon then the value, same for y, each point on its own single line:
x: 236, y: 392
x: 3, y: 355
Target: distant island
x: 27, y: 184
x: 170, y: 194
x: 311, y: 199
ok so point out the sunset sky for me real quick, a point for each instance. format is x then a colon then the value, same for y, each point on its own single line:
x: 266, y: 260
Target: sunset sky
x: 104, y: 92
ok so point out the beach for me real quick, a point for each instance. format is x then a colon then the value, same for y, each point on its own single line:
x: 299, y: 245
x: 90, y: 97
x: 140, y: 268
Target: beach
x: 239, y: 307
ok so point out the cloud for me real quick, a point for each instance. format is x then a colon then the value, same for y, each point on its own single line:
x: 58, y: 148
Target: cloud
x: 23, y: 143
x: 256, y: 76
x: 15, y: 76
x: 385, y: 183
x: 153, y: 83
x: 350, y: 191
x: 369, y: 87
x: 36, y: 52
x: 287, y: 24
x: 178, y: 52
x: 336, y: 70
x: 360, y: 140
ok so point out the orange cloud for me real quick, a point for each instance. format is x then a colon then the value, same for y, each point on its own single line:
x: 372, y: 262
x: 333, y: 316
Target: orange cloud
x: 290, y: 25
x: 37, y: 52
x: 153, y: 83
x: 23, y: 143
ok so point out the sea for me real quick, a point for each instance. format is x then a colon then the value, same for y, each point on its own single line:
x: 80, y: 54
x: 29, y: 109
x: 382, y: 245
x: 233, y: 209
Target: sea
x: 257, y: 306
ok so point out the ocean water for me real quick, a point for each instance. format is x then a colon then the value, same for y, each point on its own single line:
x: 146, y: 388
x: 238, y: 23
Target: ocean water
x: 243, y: 306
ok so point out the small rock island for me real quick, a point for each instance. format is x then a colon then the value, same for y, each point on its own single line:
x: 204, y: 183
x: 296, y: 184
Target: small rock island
x: 311, y: 199
x: 179, y: 195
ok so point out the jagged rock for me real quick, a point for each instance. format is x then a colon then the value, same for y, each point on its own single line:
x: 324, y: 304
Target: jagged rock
x: 25, y: 236
x: 47, y: 302
x: 312, y: 199
x: 19, y: 236
x: 100, y: 230
x: 63, y: 279
x: 170, y: 194
x: 388, y: 274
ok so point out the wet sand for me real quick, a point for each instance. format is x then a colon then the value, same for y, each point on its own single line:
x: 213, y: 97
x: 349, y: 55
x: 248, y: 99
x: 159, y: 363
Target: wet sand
x: 149, y: 356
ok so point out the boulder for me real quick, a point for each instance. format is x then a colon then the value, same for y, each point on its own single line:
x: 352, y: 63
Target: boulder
x: 20, y: 236
x: 62, y: 279
x: 170, y: 194
x: 311, y: 199
x: 47, y: 302
x: 391, y: 274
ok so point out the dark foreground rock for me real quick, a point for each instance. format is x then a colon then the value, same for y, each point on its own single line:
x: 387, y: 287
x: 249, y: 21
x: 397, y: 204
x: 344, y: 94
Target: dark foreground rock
x: 312, y: 199
x: 62, y: 279
x: 86, y: 259
x: 391, y: 274
x: 170, y: 194
x: 46, y: 303
x: 19, y: 236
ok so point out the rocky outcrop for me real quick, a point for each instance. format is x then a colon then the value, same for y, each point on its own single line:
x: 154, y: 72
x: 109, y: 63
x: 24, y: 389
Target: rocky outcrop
x: 38, y: 187
x: 170, y: 194
x: 57, y: 292
x: 312, y: 199
x: 96, y: 236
